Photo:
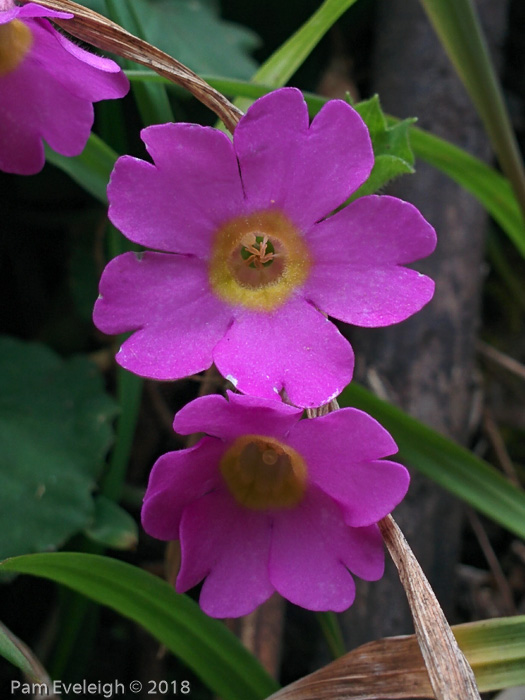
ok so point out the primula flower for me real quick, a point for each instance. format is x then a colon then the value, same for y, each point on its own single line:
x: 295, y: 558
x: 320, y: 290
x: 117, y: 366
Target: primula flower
x: 47, y: 87
x: 268, y: 502
x: 250, y: 256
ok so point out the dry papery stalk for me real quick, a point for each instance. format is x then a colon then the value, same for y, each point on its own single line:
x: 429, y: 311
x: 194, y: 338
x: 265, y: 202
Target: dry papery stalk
x: 450, y: 675
x: 99, y: 31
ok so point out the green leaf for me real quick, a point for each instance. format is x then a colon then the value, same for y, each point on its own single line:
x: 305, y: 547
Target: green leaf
x: 55, y: 430
x: 91, y: 169
x: 282, y: 64
x: 490, y: 188
x: 10, y: 651
x: 496, y: 651
x: 450, y: 465
x: 112, y: 526
x: 204, y: 644
x: 458, y: 27
x: 392, y: 152
x: 192, y: 32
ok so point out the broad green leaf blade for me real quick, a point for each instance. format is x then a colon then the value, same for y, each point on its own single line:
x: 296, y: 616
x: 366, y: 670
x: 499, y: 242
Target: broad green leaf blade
x: 394, y: 668
x: 55, y: 430
x: 450, y: 465
x: 458, y: 27
x: 112, y: 526
x: 10, y: 651
x: 202, y: 643
x: 91, y: 169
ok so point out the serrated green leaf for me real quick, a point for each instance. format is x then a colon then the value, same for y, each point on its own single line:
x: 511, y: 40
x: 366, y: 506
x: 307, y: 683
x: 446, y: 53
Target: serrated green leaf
x: 204, y: 644
x: 392, y: 151
x: 112, y: 526
x: 447, y: 463
x: 55, y: 429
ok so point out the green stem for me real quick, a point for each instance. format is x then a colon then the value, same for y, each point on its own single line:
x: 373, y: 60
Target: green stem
x: 331, y: 630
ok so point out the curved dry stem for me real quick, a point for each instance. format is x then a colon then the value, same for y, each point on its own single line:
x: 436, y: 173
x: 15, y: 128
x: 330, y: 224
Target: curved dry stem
x: 106, y: 35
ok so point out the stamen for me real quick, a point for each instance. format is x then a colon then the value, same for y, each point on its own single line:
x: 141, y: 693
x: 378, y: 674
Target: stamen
x: 254, y: 253
x: 258, y: 260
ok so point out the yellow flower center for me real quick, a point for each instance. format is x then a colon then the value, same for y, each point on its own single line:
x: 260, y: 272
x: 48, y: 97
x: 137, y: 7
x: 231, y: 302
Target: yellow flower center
x: 16, y: 40
x: 262, y: 473
x: 258, y: 260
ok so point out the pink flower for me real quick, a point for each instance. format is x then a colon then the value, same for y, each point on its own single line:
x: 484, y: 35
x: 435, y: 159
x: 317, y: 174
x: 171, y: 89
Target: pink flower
x: 268, y: 502
x: 251, y: 257
x: 47, y: 87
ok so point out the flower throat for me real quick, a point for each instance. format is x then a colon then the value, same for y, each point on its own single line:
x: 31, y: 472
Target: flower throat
x: 15, y: 42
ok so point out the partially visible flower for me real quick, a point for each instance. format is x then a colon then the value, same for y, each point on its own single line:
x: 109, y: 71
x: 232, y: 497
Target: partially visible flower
x: 47, y: 88
x: 268, y: 502
x: 257, y: 256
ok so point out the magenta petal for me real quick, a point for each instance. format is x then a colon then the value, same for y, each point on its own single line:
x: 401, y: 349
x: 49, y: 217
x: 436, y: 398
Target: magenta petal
x: 177, y: 479
x: 229, y: 545
x: 295, y: 348
x: 306, y: 171
x: 358, y: 256
x: 33, y: 108
x: 343, y: 451
x: 31, y: 10
x: 177, y: 204
x: 309, y: 554
x: 168, y: 299
x: 365, y: 556
x: 348, y: 432
x: 240, y: 415
x: 83, y: 74
x: 49, y: 97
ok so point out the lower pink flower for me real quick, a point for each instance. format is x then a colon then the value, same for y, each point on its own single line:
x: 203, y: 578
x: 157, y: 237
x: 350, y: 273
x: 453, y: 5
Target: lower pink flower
x: 47, y: 88
x: 268, y: 502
